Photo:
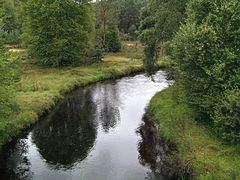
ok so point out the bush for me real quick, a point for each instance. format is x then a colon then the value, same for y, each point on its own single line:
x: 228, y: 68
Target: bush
x: 227, y: 116
x: 96, y: 55
x: 7, y: 77
x: 10, y: 12
x: 161, y: 19
x: 12, y: 37
x: 113, y: 39
x: 59, y: 33
x: 7, y: 80
x: 206, y: 50
x: 132, y: 31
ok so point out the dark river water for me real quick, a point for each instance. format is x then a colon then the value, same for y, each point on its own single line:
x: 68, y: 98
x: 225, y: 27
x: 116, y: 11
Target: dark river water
x: 95, y: 133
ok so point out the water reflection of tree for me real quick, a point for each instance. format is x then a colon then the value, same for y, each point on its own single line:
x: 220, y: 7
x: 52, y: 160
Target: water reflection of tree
x: 69, y: 132
x: 108, y: 105
x: 154, y: 151
x: 14, y: 162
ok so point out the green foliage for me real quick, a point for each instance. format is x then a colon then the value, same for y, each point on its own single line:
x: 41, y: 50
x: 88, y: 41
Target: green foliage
x: 226, y: 116
x: 96, y: 55
x: 59, y: 33
x: 12, y: 21
x: 207, y: 52
x: 160, y: 20
x: 151, y: 57
x: 108, y: 37
x: 132, y: 31
x: 1, y: 29
x: 129, y: 15
x: 7, y: 80
x: 7, y: 77
x: 113, y: 39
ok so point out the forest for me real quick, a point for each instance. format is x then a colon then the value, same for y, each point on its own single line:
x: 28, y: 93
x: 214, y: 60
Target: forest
x: 50, y: 47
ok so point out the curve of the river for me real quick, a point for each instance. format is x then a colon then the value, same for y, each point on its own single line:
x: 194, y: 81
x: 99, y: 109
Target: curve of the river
x: 95, y: 133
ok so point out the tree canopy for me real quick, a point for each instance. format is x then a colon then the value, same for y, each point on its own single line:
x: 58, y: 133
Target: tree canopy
x: 58, y: 33
x: 206, y: 50
x: 160, y: 21
x: 108, y: 37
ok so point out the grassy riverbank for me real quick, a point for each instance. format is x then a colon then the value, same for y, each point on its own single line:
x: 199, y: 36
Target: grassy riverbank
x: 40, y: 89
x: 209, y: 157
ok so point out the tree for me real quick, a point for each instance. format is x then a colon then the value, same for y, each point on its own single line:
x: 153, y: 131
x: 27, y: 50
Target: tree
x: 129, y: 14
x: 112, y: 38
x: 7, y: 77
x: 206, y: 50
x: 107, y: 30
x: 58, y: 33
x: 12, y: 22
x: 133, y: 33
x: 160, y: 21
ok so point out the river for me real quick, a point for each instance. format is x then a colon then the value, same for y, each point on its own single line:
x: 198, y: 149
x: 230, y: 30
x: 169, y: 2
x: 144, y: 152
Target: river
x: 96, y: 133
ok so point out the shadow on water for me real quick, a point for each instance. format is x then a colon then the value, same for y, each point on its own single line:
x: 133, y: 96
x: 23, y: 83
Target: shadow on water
x: 68, y: 134
x: 62, y: 139
x: 158, y: 154
x: 22, y: 165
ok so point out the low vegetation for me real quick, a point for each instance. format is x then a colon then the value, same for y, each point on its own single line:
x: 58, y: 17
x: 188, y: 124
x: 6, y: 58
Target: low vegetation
x: 197, y: 145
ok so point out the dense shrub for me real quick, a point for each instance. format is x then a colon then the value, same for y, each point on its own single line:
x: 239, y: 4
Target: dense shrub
x: 7, y: 80
x: 132, y: 32
x: 12, y: 20
x: 160, y: 21
x: 59, y: 33
x: 12, y: 37
x: 207, y: 52
x: 96, y: 55
x: 113, y: 39
x: 227, y: 116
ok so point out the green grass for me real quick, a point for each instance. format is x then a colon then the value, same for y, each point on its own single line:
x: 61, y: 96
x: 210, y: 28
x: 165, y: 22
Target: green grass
x: 209, y: 157
x: 131, y: 50
x: 40, y: 89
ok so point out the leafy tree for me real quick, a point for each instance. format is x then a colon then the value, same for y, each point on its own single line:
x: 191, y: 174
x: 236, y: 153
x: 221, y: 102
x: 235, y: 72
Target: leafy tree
x: 107, y: 30
x: 7, y: 77
x: 12, y: 22
x: 129, y: 14
x: 102, y: 14
x: 59, y: 33
x: 133, y: 33
x: 207, y: 52
x: 160, y: 20
x: 1, y: 28
x: 113, y: 39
